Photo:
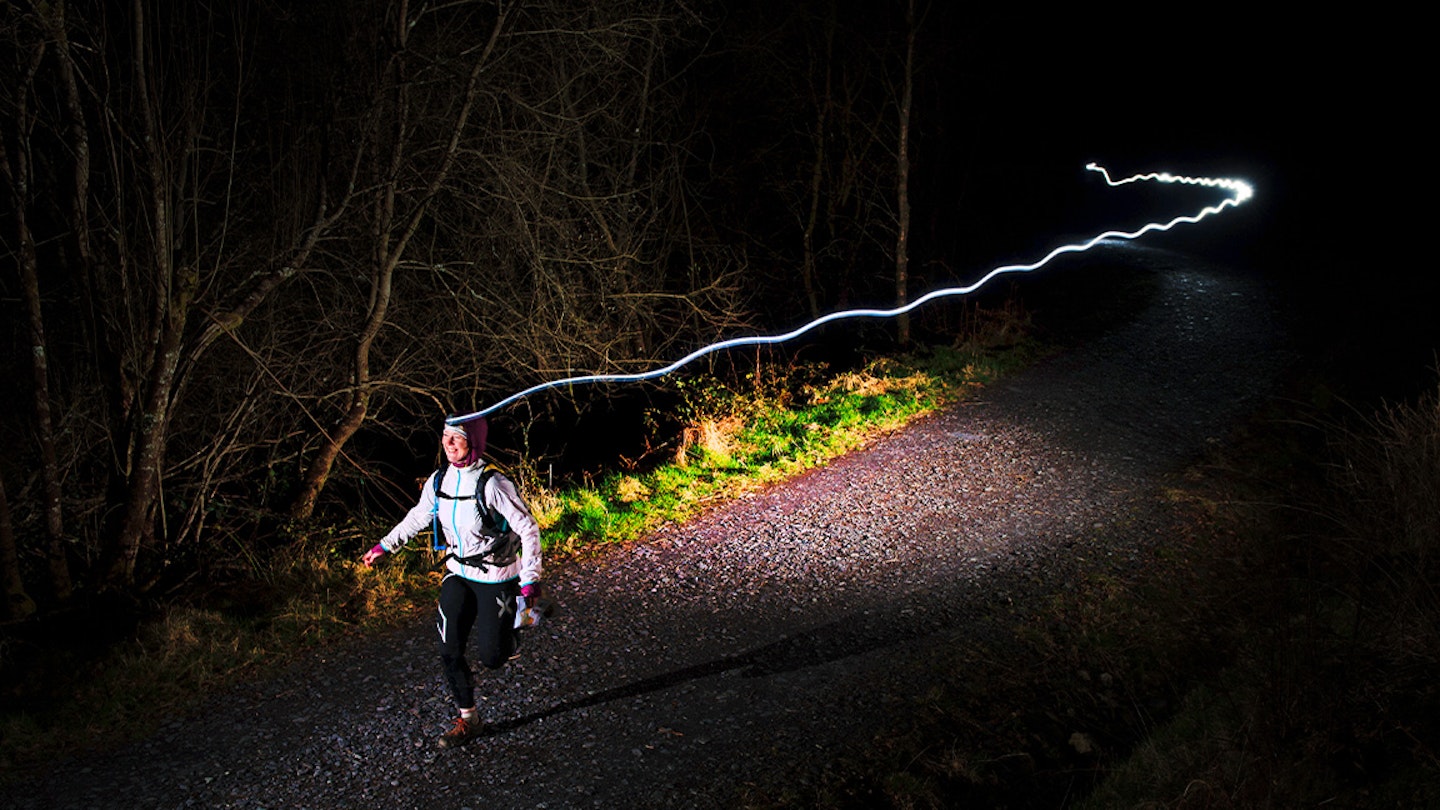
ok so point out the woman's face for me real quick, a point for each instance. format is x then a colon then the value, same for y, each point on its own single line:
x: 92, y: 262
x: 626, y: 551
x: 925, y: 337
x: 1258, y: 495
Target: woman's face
x: 456, y: 447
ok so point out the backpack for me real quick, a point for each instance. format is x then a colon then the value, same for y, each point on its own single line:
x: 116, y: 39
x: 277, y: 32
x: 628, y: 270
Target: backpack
x: 506, y: 543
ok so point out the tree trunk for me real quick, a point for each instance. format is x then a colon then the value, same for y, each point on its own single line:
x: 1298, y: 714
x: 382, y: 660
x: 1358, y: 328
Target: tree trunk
x: 16, y: 172
x: 18, y: 603
x: 808, y: 262
x: 175, y: 290
x: 78, y: 138
x: 902, y: 177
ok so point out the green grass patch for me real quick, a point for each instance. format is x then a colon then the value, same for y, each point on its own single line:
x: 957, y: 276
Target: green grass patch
x: 747, y: 435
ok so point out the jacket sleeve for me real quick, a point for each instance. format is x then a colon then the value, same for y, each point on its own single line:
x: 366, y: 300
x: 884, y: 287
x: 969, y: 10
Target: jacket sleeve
x: 501, y: 494
x: 415, y: 521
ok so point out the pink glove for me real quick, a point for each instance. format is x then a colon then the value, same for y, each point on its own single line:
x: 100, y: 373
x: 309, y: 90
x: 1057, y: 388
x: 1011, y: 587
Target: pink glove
x: 530, y: 591
x: 372, y: 555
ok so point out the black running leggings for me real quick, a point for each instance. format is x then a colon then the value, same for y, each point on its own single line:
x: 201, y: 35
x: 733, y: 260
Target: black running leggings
x: 488, y: 608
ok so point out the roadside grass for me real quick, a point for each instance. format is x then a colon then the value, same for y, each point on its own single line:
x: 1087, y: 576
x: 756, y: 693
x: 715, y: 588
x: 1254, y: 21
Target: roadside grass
x: 745, y: 434
x: 739, y: 435
x: 65, y: 698
x: 1333, y: 698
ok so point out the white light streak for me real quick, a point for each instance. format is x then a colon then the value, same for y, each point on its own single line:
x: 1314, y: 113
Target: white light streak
x: 1240, y: 192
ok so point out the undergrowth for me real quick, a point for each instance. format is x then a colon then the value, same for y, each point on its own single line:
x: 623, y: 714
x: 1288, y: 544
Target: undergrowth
x: 1333, y: 696
x: 68, y: 687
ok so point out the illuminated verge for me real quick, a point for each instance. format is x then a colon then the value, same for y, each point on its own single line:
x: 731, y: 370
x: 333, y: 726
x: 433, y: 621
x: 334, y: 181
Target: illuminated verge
x: 1240, y: 191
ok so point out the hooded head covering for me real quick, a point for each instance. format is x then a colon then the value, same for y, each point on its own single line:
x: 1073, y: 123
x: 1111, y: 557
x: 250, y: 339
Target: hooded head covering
x: 474, y: 432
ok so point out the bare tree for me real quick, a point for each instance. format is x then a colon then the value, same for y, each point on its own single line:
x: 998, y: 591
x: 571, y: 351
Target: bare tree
x: 818, y: 78
x: 545, y: 234
x: 902, y: 175
x: 226, y: 286
x: 392, y: 229
x: 16, y: 169
x: 172, y: 239
x: 173, y: 282
x: 822, y: 93
x: 614, y: 267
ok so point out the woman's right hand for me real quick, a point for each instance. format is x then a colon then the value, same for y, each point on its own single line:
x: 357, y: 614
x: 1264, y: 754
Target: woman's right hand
x: 372, y: 555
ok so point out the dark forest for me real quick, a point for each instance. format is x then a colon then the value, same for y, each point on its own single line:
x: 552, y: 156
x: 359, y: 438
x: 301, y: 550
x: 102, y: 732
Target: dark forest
x: 254, y: 251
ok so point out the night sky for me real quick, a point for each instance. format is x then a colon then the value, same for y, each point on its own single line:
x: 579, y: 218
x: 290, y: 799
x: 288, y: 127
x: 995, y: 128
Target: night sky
x: 1321, y: 113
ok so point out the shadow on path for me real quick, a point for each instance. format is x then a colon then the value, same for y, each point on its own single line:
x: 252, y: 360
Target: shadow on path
x: 846, y: 637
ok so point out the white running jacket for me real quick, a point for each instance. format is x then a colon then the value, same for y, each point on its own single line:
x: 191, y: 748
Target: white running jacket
x: 460, y: 524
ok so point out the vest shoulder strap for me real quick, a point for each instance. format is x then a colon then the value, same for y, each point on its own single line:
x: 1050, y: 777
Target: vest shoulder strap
x: 489, y: 517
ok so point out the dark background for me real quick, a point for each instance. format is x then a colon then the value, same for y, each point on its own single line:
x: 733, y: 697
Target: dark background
x: 1320, y: 112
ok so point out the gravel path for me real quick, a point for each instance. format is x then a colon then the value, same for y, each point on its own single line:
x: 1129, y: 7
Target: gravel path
x: 749, y: 649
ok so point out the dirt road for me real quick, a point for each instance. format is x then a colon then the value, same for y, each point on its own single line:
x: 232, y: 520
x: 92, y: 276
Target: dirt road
x: 749, y: 651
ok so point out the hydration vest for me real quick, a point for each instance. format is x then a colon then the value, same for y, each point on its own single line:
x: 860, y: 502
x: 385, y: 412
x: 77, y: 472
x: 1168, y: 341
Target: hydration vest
x: 505, y: 544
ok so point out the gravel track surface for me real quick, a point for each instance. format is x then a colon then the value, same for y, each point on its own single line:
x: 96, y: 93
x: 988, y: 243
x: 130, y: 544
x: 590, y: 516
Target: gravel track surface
x: 757, y: 645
